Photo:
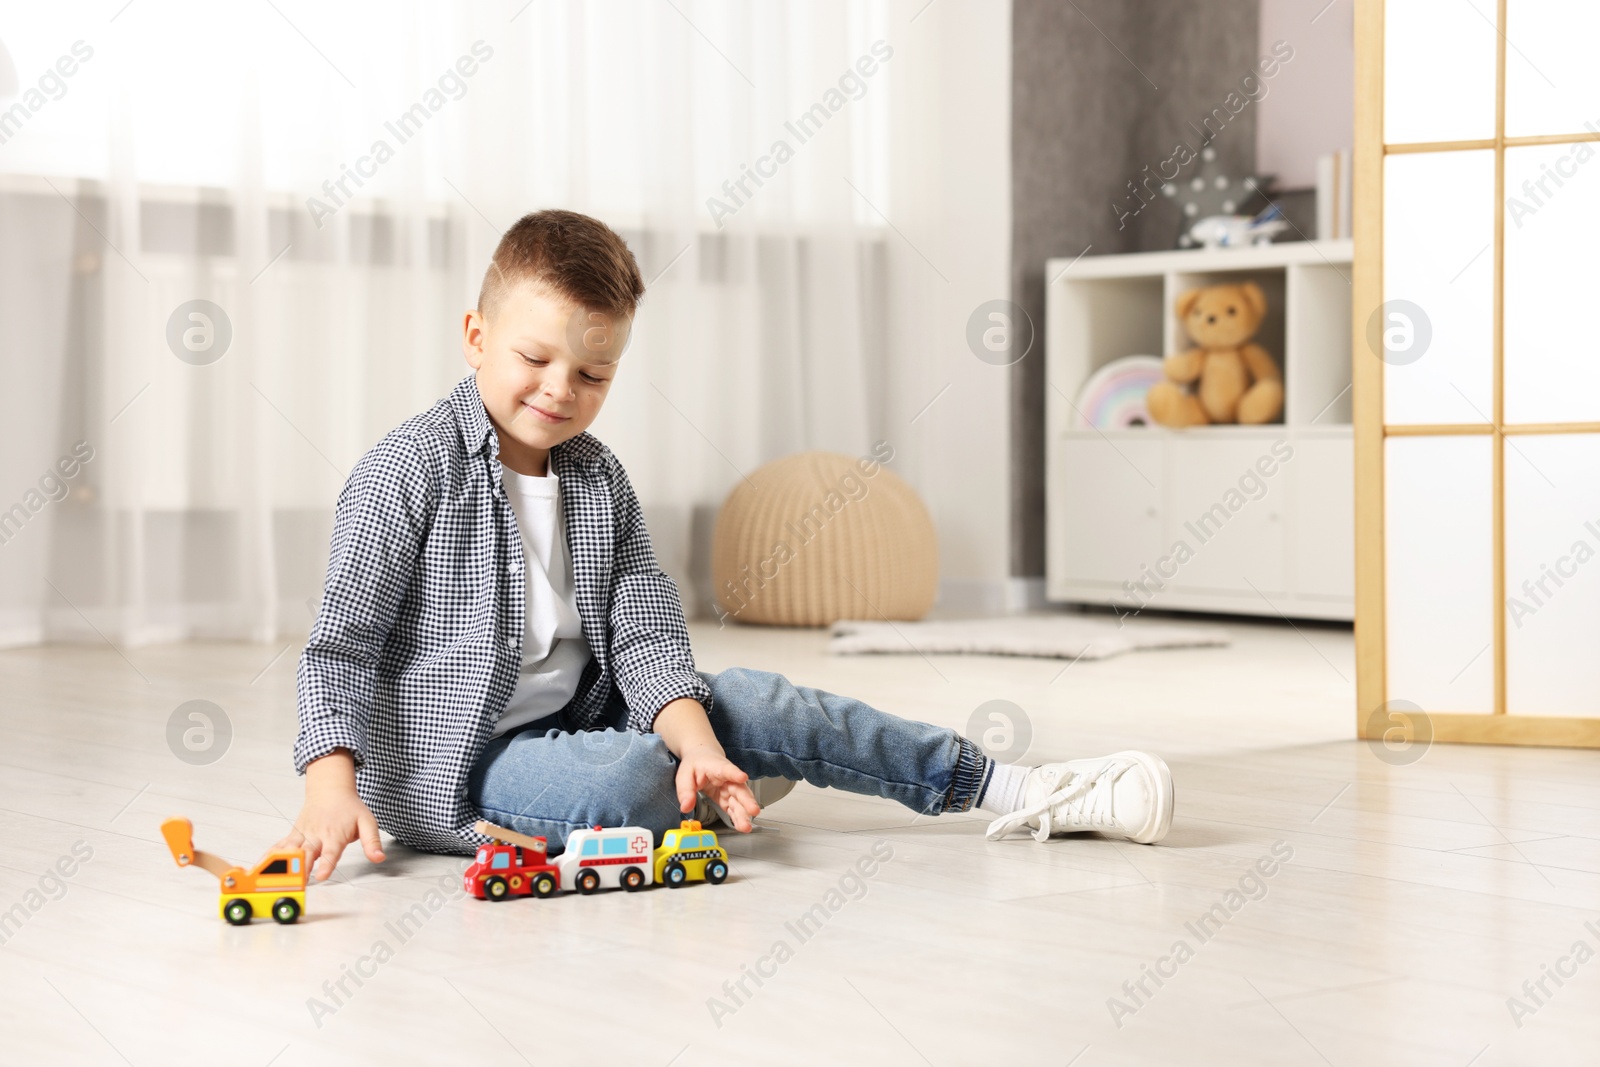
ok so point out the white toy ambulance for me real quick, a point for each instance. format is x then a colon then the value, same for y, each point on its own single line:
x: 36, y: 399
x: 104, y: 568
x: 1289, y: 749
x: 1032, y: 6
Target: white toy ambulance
x: 602, y: 857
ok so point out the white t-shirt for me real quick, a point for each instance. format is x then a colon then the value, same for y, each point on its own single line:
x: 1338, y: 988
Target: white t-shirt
x: 554, y: 652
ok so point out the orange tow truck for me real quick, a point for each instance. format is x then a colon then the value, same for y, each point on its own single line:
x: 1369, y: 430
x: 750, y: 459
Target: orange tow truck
x: 276, y: 887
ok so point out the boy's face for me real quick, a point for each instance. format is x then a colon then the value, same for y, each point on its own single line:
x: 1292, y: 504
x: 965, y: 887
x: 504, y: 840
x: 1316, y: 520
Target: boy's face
x: 544, y: 365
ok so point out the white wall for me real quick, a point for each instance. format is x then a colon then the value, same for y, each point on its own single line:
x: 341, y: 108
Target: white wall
x: 1310, y: 110
x: 952, y: 197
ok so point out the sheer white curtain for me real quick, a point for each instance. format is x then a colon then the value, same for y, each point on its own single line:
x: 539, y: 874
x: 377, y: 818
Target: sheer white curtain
x: 328, y: 180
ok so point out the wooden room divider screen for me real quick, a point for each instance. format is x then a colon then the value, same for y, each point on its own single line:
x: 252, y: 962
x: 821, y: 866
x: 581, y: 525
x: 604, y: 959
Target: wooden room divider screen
x: 1477, y: 370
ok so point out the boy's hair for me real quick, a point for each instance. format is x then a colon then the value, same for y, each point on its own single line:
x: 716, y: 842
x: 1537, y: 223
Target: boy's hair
x: 580, y: 258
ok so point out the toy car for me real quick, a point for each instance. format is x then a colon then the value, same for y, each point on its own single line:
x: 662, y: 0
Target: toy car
x: 690, y: 853
x: 601, y: 856
x: 515, y: 865
x: 276, y: 887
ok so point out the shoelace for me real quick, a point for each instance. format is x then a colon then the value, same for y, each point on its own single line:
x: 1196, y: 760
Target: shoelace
x: 1081, y: 804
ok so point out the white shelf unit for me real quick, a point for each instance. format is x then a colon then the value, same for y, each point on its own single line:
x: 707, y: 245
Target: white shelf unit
x: 1250, y: 520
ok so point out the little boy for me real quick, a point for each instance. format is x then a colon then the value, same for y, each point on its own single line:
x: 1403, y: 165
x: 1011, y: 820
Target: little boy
x: 497, y: 641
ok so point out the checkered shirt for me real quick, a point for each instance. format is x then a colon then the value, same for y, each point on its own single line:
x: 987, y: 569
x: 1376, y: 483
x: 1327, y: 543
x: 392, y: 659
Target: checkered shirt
x: 418, y: 643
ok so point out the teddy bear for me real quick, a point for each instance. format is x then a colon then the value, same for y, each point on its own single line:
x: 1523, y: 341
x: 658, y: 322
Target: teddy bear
x: 1236, y: 381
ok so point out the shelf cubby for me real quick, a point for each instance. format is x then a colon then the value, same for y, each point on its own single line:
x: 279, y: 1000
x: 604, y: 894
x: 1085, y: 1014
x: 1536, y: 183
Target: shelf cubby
x: 1121, y: 501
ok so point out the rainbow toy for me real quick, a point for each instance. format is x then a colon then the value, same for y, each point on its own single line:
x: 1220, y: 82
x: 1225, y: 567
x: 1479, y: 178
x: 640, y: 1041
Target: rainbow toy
x: 1113, y: 397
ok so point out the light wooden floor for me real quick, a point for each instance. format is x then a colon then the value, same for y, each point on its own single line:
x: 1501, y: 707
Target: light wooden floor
x: 1418, y: 900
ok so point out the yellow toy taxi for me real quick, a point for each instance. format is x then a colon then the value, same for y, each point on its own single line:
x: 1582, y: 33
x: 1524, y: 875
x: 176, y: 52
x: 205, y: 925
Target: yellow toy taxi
x: 690, y: 853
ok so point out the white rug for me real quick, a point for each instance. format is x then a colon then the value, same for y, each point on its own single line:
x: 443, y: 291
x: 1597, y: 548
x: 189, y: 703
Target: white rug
x: 1047, y: 636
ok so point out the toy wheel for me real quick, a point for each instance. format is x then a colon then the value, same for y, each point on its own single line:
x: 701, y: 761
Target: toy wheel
x: 632, y: 879
x: 543, y: 885
x: 675, y: 875
x: 716, y: 871
x: 286, y: 910
x: 495, y: 888
x: 237, y: 912
x: 588, y: 882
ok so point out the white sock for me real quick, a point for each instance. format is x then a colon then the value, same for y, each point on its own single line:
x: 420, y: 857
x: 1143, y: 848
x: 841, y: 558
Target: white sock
x: 1003, y: 795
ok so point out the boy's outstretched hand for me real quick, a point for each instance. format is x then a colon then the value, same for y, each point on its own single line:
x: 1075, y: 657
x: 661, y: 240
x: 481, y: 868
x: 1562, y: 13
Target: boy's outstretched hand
x: 702, y: 770
x: 703, y: 767
x: 333, y: 816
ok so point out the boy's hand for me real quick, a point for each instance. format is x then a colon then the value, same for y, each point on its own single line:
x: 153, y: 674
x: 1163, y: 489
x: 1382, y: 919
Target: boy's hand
x: 703, y: 767
x: 333, y: 816
x: 706, y: 769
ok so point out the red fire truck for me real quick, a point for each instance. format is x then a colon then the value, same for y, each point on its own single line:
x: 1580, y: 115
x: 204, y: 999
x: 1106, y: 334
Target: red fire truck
x: 515, y: 865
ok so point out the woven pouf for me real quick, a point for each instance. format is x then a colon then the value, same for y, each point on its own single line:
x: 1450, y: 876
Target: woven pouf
x: 818, y: 536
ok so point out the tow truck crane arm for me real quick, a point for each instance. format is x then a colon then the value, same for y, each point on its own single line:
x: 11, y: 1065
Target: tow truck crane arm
x: 179, y: 833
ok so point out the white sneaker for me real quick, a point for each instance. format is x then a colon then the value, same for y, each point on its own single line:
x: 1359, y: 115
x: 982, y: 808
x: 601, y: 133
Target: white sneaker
x: 767, y: 791
x: 1126, y: 793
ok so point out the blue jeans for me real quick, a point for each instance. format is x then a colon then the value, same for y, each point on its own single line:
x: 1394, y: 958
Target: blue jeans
x: 549, y: 781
